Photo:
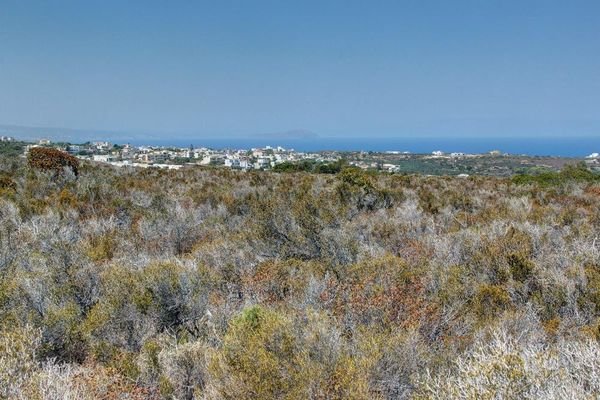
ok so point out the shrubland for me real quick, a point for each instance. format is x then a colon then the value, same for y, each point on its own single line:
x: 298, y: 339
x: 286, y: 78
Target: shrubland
x: 220, y: 284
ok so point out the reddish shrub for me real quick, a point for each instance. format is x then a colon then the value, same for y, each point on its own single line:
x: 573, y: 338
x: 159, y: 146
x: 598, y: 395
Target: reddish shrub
x: 593, y: 190
x: 48, y: 159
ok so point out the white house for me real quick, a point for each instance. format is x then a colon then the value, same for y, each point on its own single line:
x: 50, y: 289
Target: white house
x: 262, y: 162
x: 74, y: 149
x: 245, y: 164
x: 232, y: 162
x: 212, y: 159
x: 102, y: 145
x: 103, y: 158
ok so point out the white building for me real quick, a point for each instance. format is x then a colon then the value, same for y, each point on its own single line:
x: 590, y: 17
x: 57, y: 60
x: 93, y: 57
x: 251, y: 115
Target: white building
x: 102, y: 145
x: 212, y: 159
x: 74, y: 149
x: 167, y: 166
x: 391, y: 167
x: 262, y: 162
x: 155, y: 157
x: 232, y: 162
x: 103, y: 158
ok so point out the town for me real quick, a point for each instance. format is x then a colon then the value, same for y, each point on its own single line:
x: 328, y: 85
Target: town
x: 169, y: 157
x: 280, y: 159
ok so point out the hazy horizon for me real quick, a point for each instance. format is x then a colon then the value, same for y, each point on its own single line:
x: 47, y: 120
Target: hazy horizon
x: 563, y: 146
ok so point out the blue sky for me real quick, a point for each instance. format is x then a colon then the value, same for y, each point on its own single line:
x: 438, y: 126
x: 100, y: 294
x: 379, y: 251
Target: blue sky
x: 335, y: 68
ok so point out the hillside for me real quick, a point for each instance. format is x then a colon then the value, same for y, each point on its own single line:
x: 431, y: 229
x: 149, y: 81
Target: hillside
x: 221, y: 284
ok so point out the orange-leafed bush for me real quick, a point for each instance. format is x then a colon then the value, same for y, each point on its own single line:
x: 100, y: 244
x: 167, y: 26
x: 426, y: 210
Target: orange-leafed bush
x: 593, y: 190
x: 48, y: 159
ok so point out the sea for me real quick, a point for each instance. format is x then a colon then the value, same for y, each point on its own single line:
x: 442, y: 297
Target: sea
x: 572, y: 146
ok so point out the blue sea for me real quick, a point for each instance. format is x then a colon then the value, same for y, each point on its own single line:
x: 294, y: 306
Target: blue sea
x: 549, y: 146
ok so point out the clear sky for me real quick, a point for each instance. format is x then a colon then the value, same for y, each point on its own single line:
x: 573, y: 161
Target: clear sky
x: 356, y: 68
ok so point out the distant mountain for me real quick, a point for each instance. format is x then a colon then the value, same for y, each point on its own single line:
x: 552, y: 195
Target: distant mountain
x: 34, y: 133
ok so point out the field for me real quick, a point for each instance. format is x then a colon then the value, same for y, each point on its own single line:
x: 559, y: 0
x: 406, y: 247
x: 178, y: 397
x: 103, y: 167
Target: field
x: 221, y: 284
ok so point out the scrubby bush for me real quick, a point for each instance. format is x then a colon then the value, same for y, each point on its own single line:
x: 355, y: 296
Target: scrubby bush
x: 18, y: 362
x: 50, y: 159
x: 504, y: 368
x: 262, y: 358
x: 570, y: 173
x: 212, y: 284
x: 7, y: 184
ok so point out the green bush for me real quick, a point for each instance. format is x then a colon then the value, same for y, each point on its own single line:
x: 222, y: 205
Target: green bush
x: 490, y: 301
x: 521, y: 268
x: 570, y: 173
x: 261, y: 358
